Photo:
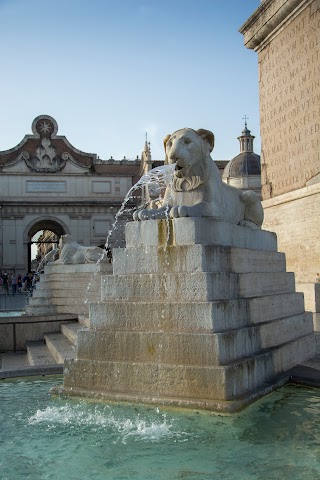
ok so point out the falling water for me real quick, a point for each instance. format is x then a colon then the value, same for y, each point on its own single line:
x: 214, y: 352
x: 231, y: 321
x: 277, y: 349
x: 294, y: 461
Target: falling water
x: 160, y: 177
x: 50, y: 256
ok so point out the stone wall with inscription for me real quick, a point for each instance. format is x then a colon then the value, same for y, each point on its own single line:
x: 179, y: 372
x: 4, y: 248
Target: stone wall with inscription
x: 286, y: 35
x: 290, y: 105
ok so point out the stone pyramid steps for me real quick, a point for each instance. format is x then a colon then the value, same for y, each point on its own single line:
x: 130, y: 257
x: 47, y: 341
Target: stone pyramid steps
x: 221, y: 383
x: 187, y: 321
x: 55, y: 347
x: 39, y: 354
x: 67, y: 289
x: 70, y: 331
x: 59, y: 346
x: 201, y: 348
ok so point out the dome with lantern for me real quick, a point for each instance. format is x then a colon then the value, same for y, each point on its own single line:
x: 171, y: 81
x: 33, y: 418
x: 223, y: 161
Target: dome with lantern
x: 244, y: 170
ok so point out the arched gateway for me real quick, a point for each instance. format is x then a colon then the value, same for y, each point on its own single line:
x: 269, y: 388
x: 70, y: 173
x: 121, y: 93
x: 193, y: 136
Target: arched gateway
x: 41, y: 237
x: 46, y: 184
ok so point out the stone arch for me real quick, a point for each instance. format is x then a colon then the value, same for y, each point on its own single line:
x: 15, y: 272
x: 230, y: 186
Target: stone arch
x: 42, y: 223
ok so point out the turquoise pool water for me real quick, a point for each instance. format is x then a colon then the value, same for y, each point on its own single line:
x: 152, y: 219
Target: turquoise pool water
x: 17, y: 313
x: 56, y: 438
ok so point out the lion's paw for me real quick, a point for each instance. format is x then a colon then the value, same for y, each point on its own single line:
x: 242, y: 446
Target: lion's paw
x: 144, y: 214
x: 177, y: 212
x: 183, y: 211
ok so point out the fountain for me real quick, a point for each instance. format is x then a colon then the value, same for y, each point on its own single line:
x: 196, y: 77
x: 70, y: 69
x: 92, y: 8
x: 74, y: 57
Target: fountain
x: 200, y: 311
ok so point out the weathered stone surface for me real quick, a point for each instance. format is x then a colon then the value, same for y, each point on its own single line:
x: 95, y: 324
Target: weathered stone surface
x: 195, y: 286
x: 191, y: 337
x: 159, y: 381
x: 191, y: 287
x: 271, y: 307
x: 216, y: 316
x: 295, y: 217
x: 259, y: 284
x: 286, y: 33
x: 182, y: 348
x: 311, y: 292
x: 193, y: 258
x: 169, y: 316
x: 289, y: 65
x: 67, y: 289
x: 190, y: 231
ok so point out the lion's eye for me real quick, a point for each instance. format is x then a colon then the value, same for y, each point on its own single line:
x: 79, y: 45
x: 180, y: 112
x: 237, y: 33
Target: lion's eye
x: 169, y: 144
x: 187, y: 141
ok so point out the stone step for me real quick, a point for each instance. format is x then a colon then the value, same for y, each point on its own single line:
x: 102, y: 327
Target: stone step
x: 60, y: 347
x: 79, y: 309
x: 84, y: 320
x: 85, y: 268
x: 72, y: 283
x: 70, y: 330
x: 13, y: 361
x: 71, y: 290
x: 199, y: 317
x: 53, y: 300
x: 39, y: 354
x: 195, y: 286
x: 191, y: 348
x: 197, y: 230
x: 158, y: 380
x: 194, y: 258
x: 67, y: 277
x: 259, y: 284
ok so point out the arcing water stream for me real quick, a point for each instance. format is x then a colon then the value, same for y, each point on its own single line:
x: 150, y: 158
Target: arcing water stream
x: 158, y: 178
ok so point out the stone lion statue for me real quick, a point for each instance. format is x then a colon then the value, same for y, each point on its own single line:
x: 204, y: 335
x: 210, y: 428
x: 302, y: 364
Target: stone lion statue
x: 71, y: 253
x: 197, y: 189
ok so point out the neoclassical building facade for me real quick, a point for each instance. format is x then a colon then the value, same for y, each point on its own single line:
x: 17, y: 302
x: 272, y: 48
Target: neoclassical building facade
x: 47, y: 184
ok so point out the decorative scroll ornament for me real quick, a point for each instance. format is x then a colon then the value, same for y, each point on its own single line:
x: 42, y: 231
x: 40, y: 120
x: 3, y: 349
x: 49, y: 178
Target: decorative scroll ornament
x: 45, y: 159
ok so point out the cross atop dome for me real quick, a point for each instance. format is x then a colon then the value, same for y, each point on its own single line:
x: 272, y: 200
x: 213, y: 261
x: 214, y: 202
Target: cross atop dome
x: 245, y: 118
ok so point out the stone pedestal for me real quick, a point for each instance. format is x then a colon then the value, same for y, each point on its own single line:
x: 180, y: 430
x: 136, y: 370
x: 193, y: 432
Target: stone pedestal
x: 67, y: 289
x: 188, y: 321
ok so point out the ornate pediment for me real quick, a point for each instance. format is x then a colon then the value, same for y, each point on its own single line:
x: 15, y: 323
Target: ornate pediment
x: 45, y: 151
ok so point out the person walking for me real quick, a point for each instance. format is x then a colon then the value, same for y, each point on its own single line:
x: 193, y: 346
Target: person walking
x: 14, y: 282
x: 5, y: 282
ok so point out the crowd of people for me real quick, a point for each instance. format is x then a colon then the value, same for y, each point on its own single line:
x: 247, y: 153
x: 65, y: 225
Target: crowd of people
x: 13, y: 283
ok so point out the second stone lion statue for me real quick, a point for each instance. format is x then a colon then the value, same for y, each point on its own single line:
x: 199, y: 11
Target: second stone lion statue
x: 197, y: 189
x: 72, y: 253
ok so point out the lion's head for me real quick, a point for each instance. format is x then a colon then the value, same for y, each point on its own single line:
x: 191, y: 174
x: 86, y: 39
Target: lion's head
x: 64, y: 239
x: 190, y: 150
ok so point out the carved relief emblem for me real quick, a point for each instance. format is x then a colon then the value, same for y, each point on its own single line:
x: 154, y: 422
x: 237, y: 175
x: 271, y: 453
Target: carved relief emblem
x: 45, y: 158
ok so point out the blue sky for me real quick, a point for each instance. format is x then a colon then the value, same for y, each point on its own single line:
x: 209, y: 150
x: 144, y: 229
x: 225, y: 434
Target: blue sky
x: 110, y: 70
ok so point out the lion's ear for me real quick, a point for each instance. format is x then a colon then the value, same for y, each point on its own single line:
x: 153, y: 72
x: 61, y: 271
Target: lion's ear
x: 165, y: 144
x: 208, y: 136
